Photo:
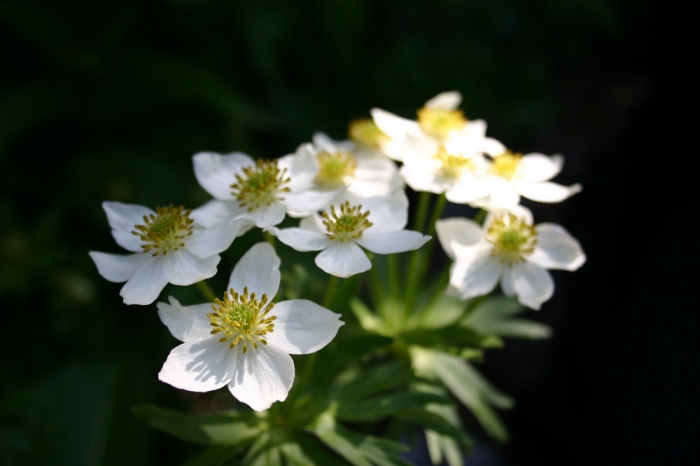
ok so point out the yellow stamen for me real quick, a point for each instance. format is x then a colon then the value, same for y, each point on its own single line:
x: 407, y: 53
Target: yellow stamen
x: 165, y: 231
x: 346, y: 225
x: 512, y: 238
x: 335, y: 169
x: 439, y: 122
x: 506, y: 164
x: 366, y: 133
x: 452, y: 165
x: 261, y: 184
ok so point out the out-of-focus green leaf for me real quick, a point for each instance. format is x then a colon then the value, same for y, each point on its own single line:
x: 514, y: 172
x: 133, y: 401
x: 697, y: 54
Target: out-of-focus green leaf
x: 227, y: 429
x: 368, y: 320
x: 358, y: 449
x: 264, y: 452
x: 214, y: 455
x: 377, y: 408
x: 304, y: 449
x: 362, y: 381
x: 495, y: 316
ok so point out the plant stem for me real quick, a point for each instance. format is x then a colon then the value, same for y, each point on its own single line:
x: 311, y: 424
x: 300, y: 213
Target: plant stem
x: 330, y: 290
x: 205, y: 289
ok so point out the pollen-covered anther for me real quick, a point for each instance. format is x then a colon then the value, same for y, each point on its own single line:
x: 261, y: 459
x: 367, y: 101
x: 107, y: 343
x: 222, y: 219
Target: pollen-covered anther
x: 440, y: 122
x: 165, y: 231
x: 506, y: 165
x: 242, y: 318
x: 452, y: 165
x: 365, y: 132
x: 346, y: 224
x: 512, y: 238
x: 335, y: 169
x: 260, y: 184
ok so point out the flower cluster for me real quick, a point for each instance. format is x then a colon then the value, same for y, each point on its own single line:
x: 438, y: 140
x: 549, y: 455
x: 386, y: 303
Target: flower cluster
x: 348, y: 202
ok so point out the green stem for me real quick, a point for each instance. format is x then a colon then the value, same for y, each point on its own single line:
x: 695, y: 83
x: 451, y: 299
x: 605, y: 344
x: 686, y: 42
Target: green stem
x: 330, y: 290
x: 206, y: 291
x: 421, y: 211
x: 270, y: 238
x: 480, y: 216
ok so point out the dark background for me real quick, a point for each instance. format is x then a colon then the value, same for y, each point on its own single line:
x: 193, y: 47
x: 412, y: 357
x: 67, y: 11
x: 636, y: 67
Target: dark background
x: 109, y: 100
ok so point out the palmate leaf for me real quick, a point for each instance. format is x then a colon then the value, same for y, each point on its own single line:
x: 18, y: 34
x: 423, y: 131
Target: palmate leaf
x: 356, y: 448
x: 232, y: 429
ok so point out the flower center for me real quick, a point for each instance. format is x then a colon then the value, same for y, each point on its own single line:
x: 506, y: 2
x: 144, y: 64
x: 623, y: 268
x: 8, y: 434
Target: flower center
x: 512, y: 238
x: 366, y: 133
x: 260, y: 184
x: 346, y: 225
x: 439, y: 122
x: 242, y: 319
x: 452, y: 165
x: 506, y: 165
x: 334, y: 168
x: 165, y: 231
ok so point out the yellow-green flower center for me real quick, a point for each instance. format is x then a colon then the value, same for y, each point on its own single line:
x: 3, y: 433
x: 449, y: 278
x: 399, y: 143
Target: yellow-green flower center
x: 165, y: 231
x: 347, y: 224
x: 242, y: 318
x: 512, y: 238
x: 439, y: 122
x: 452, y: 165
x: 506, y: 165
x: 260, y: 184
x: 366, y: 133
x: 335, y: 169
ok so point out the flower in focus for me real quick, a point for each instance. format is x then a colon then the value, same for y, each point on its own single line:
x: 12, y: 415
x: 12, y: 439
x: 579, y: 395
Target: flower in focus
x: 509, y: 249
x: 511, y: 175
x: 261, y: 191
x: 244, y: 341
x: 376, y: 225
x: 169, y: 245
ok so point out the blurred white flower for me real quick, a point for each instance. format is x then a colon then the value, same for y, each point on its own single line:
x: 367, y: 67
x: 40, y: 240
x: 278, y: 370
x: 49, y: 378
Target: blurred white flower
x: 169, y: 245
x: 246, y: 341
x: 509, y: 249
x: 376, y: 225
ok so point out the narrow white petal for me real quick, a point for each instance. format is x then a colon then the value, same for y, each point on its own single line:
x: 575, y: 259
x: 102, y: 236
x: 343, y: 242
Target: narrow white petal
x: 393, y: 241
x: 503, y: 194
x: 259, y: 270
x: 216, y: 172
x: 200, y: 366
x: 216, y: 211
x: 545, y: 191
x: 532, y: 283
x: 302, y: 326
x: 183, y: 268
x: 122, y: 218
x: 479, y: 276
x: 304, y: 203
x: 186, y: 323
x: 422, y: 178
x: 266, y: 216
x: 147, y: 282
x: 392, y: 125
x: 449, y: 100
x: 387, y: 213
x: 343, y: 260
x: 468, y: 190
x: 463, y: 231
x: 538, y: 167
x: 118, y: 268
x: 507, y: 284
x: 216, y: 239
x: 263, y: 376
x: 557, y: 249
x: 302, y: 239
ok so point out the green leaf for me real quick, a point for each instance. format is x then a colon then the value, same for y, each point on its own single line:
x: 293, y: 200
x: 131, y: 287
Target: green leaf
x: 496, y: 317
x: 214, y: 455
x: 467, y: 385
x: 377, y: 408
x: 264, y: 452
x: 359, y: 382
x: 358, y: 449
x: 227, y: 429
x: 304, y: 449
x: 368, y: 320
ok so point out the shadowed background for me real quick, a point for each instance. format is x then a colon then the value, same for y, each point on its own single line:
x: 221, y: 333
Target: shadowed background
x: 110, y: 100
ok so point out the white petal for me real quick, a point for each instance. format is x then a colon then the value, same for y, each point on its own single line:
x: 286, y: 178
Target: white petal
x: 557, y: 249
x: 545, y: 191
x: 343, y: 260
x: 539, y: 167
x: 216, y: 211
x: 532, y: 283
x: 122, y: 219
x: 266, y: 216
x: 259, y: 270
x: 393, y: 125
x: 503, y: 194
x: 147, y: 282
x: 183, y: 268
x: 507, y: 284
x: 393, y: 241
x: 302, y: 239
x: 200, y: 366
x: 449, y: 100
x: 186, y: 323
x: 305, y: 202
x: 468, y: 190
x: 302, y: 326
x: 479, y: 276
x: 422, y: 178
x: 263, y: 376
x: 463, y: 231
x: 387, y: 213
x: 216, y: 172
x: 216, y: 239
x: 118, y: 268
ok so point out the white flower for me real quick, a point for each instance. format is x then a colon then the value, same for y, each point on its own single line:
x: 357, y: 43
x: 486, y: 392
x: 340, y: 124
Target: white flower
x: 261, y: 191
x: 377, y: 225
x: 169, y: 245
x: 246, y: 341
x: 508, y: 249
x: 512, y: 175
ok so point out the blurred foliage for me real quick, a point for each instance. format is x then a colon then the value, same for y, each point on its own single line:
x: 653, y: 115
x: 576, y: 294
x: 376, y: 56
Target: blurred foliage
x: 109, y: 100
